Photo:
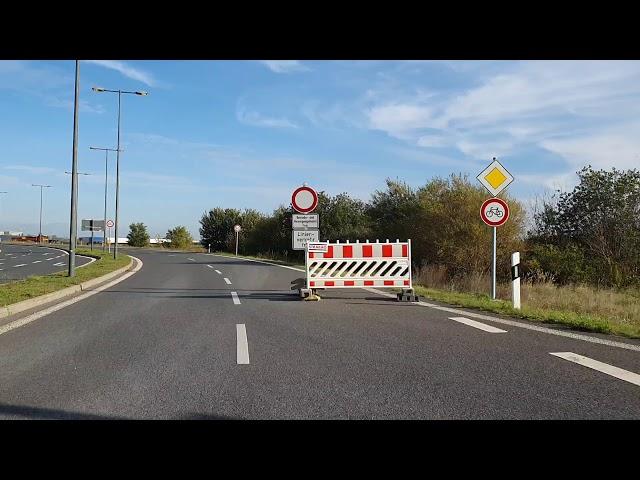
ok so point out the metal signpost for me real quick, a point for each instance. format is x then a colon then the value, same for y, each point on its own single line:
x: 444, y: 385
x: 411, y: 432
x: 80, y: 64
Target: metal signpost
x: 237, y: 229
x: 108, y: 239
x: 494, y: 211
x: 305, y: 224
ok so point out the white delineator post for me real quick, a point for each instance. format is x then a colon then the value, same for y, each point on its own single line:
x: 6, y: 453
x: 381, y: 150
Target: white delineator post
x: 515, y: 279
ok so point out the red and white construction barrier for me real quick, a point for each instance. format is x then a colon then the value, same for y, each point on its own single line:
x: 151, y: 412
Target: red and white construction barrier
x: 357, y: 265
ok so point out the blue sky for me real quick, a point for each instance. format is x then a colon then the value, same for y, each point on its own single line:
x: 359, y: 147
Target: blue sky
x: 246, y: 133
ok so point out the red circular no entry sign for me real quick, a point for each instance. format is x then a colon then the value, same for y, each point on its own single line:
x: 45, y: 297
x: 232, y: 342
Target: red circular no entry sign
x: 304, y: 199
x: 494, y: 212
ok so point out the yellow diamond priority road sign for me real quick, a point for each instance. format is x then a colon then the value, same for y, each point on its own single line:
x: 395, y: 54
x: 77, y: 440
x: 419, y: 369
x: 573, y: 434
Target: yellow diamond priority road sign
x: 495, y: 178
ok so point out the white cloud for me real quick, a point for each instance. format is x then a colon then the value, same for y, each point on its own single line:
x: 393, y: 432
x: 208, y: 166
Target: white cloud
x: 566, y: 107
x: 31, y: 169
x: 127, y: 70
x: 258, y: 120
x: 285, y: 66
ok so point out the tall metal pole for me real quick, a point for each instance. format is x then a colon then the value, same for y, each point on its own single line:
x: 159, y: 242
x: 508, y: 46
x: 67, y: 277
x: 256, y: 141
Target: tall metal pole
x: 73, y: 227
x: 493, y: 267
x: 106, y: 178
x: 115, y: 247
x: 40, y: 234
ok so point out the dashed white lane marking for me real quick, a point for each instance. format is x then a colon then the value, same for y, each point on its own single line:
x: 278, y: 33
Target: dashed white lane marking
x: 242, y: 351
x: 625, y: 375
x: 37, y: 261
x: 218, y: 272
x: 59, y: 264
x: 20, y: 265
x: 191, y: 259
x: 210, y: 266
x: 227, y: 281
x: 51, y: 258
x: 236, y: 300
x: 481, y: 326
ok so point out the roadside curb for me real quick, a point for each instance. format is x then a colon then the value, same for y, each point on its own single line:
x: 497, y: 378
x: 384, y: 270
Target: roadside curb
x: 14, y: 308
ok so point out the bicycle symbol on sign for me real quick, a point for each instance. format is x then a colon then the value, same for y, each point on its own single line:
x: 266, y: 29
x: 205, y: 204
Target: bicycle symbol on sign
x: 494, y: 212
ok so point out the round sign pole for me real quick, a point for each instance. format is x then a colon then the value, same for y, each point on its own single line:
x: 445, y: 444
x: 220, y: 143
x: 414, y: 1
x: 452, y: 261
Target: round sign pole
x: 237, y: 229
x: 493, y: 266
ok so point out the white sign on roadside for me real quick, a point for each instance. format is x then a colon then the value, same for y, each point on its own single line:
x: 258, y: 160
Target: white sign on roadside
x: 318, y: 247
x: 305, y: 221
x: 300, y: 238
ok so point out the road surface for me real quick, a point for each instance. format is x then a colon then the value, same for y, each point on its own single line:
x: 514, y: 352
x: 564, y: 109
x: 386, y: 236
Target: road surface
x: 197, y: 336
x: 18, y: 262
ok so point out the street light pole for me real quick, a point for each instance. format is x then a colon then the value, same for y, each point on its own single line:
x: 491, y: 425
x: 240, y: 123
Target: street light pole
x: 73, y: 224
x: 77, y: 190
x: 0, y: 208
x: 106, y: 179
x: 41, y: 187
x: 119, y: 92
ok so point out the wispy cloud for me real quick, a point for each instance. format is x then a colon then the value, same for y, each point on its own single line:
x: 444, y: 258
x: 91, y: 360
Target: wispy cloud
x: 582, y: 111
x: 253, y: 118
x: 127, y: 70
x: 285, y: 66
x: 31, y: 169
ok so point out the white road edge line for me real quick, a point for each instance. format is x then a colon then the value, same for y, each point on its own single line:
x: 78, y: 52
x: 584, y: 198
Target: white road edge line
x: 227, y: 281
x: 619, y: 373
x: 35, y: 316
x: 236, y: 300
x: 560, y: 333
x: 481, y: 326
x: 550, y: 331
x: 242, y: 350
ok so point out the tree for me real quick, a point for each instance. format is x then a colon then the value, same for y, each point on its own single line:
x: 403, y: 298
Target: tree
x: 180, y: 237
x: 138, y: 235
x: 600, y: 217
x: 217, y: 225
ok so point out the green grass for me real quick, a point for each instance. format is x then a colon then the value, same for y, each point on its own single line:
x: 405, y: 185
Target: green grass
x: 576, y: 320
x: 36, y: 286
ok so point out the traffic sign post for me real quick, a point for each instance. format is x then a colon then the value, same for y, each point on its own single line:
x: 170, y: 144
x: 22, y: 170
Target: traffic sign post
x: 494, y: 211
x: 108, y: 239
x: 304, y: 199
x: 237, y: 229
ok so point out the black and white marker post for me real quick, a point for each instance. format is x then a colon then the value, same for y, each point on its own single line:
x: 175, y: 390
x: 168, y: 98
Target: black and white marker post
x: 515, y: 279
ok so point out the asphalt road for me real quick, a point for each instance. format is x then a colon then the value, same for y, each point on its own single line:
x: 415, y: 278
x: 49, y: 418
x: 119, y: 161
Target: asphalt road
x: 18, y: 262
x: 169, y: 343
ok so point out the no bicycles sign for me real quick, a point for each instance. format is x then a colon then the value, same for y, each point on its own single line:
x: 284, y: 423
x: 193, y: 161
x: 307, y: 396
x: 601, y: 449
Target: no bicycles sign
x: 494, y: 212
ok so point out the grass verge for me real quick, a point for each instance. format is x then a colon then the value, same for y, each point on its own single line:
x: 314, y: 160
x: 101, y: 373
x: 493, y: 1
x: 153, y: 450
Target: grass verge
x: 36, y: 286
x: 575, y: 320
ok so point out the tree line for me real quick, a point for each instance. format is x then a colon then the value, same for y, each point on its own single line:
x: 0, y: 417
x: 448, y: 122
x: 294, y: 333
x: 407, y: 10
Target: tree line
x: 590, y: 234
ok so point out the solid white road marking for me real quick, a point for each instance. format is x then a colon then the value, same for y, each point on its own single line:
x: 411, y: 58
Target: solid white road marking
x: 227, y: 281
x: 481, y: 326
x: 35, y: 316
x: 236, y: 300
x: 21, y: 265
x: 242, y: 351
x: 625, y: 375
x: 550, y: 331
x: 218, y: 272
